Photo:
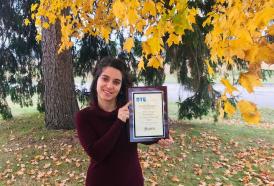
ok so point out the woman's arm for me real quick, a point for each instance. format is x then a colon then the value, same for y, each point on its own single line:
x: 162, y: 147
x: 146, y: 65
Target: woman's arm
x: 97, y: 148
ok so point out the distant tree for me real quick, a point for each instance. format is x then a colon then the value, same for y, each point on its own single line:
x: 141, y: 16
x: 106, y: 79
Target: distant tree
x: 20, y: 57
x: 187, y: 60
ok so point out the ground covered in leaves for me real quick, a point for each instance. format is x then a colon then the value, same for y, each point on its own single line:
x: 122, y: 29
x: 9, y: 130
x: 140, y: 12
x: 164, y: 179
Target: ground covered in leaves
x: 203, y: 154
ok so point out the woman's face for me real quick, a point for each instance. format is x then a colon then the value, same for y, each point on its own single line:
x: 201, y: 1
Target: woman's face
x: 109, y: 84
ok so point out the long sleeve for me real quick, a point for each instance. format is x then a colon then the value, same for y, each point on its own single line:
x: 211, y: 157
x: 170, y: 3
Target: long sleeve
x: 98, y: 148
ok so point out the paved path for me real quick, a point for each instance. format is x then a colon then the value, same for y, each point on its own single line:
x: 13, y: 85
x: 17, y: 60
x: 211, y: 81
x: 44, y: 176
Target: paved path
x: 262, y: 96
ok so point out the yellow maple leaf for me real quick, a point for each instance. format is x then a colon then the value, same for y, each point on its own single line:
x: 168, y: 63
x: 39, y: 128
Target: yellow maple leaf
x: 105, y: 31
x: 45, y: 25
x: 155, y: 62
x: 266, y: 54
x: 168, y: 27
x: 207, y: 21
x: 33, y: 7
x: 38, y: 37
x: 150, y: 30
x: 262, y: 18
x: 26, y: 21
x: 160, y: 7
x: 246, y: 106
x: 155, y: 44
x: 141, y: 65
x: 173, y: 39
x: 249, y: 111
x: 74, y: 10
x: 132, y: 16
x: 146, y: 48
x: 134, y: 4
x: 51, y: 18
x: 181, y: 5
x: 249, y: 81
x: 129, y: 43
x: 119, y: 9
x: 140, y: 25
x: 230, y: 88
x: 149, y: 7
x: 171, y: 2
x: 252, y: 118
x: 236, y: 49
x: 251, y: 53
x: 191, y: 15
x: 65, y: 45
x: 244, y: 35
x: 229, y: 108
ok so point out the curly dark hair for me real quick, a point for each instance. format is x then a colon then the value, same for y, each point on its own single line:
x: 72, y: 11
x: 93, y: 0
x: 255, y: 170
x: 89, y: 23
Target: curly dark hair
x: 117, y: 64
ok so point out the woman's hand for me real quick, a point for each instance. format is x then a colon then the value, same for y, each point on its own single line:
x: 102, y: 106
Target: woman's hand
x: 166, y: 142
x: 123, y: 112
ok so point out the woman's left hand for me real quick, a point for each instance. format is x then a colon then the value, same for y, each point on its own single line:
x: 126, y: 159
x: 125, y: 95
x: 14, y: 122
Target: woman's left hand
x: 166, y: 142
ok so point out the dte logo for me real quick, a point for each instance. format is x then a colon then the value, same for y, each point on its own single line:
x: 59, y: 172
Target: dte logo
x: 141, y: 99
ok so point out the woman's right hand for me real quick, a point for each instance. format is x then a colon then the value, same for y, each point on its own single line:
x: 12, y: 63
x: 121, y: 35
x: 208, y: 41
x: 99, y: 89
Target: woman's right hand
x: 123, y: 112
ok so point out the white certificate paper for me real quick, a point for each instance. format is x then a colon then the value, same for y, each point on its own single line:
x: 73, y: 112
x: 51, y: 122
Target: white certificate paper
x: 148, y: 114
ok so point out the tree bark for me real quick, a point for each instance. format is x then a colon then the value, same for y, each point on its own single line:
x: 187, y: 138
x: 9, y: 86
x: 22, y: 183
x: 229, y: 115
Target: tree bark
x: 59, y: 94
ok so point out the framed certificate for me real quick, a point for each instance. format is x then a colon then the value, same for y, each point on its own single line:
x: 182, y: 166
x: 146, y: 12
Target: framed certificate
x: 148, y: 118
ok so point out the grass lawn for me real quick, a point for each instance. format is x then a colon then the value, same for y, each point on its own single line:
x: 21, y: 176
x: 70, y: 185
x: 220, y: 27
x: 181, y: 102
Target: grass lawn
x: 204, y: 153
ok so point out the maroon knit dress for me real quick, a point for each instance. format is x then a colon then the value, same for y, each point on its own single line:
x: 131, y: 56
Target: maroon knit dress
x: 104, y: 137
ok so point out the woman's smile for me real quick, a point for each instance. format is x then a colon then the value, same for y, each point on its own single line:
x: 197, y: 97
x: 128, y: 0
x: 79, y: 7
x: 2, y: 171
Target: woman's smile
x: 107, y: 92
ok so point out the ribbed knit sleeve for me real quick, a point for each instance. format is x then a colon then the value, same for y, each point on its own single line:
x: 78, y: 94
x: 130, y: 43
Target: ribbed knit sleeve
x: 98, y: 148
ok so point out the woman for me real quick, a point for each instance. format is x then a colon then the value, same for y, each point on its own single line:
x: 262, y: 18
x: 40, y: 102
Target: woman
x: 102, y: 132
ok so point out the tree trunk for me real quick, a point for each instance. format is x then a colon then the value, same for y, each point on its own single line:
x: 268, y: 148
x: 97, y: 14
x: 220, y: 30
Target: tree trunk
x: 59, y: 94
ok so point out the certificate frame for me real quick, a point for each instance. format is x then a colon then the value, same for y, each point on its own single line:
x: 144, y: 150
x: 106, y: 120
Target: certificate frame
x: 137, y: 126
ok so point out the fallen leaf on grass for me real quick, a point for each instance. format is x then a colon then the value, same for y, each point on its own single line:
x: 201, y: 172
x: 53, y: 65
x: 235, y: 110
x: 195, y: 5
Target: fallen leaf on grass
x: 175, y: 179
x: 40, y: 175
x: 47, y: 165
x: 58, y: 163
x: 202, y: 183
x: 217, y: 165
x: 246, y: 179
x: 39, y: 157
x: 198, y: 171
x: 77, y: 164
x: 218, y: 184
x: 144, y: 164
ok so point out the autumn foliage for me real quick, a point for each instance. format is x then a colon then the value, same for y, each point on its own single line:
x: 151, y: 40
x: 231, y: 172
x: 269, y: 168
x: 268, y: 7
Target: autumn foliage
x: 240, y: 30
x: 151, y: 20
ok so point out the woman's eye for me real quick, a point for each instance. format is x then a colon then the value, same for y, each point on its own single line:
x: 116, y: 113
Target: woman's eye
x: 104, y: 78
x: 116, y: 82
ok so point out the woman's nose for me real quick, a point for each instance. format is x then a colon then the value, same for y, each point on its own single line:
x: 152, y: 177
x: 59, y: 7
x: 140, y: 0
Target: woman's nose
x: 109, y: 85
